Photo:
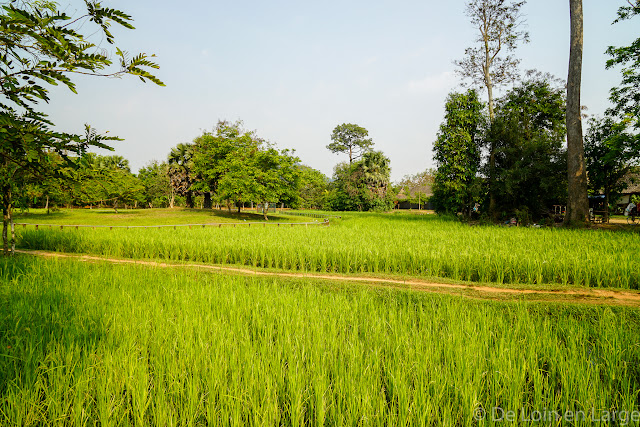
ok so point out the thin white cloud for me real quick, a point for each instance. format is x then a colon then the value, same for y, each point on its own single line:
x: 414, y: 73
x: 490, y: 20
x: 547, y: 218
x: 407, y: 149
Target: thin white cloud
x: 438, y: 83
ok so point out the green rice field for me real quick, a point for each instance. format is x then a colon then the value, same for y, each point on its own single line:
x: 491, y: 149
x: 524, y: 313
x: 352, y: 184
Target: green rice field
x: 391, y: 244
x: 88, y: 344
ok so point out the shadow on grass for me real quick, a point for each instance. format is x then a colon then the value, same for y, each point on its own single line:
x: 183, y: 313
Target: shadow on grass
x: 249, y: 216
x: 36, y: 319
x: 22, y: 216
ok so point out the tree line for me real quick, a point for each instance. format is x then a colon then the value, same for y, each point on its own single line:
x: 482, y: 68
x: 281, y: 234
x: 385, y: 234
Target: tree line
x: 227, y: 167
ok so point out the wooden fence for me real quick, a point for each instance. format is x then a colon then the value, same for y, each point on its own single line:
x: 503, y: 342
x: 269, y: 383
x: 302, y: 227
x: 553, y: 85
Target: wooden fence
x: 213, y: 225
x: 312, y: 215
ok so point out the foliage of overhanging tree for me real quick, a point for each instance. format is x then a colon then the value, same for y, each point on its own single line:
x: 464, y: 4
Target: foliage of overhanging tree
x: 611, y: 150
x: 43, y: 46
x: 626, y: 97
x: 457, y: 154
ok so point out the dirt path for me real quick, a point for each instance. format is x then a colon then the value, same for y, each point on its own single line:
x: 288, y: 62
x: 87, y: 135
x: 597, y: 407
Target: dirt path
x: 586, y: 295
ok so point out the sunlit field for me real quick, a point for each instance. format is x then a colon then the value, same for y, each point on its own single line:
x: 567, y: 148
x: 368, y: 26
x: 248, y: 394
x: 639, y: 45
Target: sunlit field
x: 397, y: 244
x: 98, y: 344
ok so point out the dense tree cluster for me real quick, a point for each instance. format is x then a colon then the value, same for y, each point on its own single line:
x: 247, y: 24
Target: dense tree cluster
x: 517, y: 164
x: 360, y: 185
x: 527, y: 136
x: 234, y: 167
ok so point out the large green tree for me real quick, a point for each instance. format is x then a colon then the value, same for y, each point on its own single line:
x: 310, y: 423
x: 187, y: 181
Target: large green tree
x: 363, y: 185
x: 313, y: 188
x: 457, y: 154
x: 626, y: 97
x: 215, y: 151
x: 239, y: 167
x: 43, y: 46
x: 157, y: 185
x: 351, y: 139
x: 529, y: 133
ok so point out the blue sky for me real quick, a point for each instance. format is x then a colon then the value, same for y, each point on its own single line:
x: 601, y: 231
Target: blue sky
x: 294, y: 70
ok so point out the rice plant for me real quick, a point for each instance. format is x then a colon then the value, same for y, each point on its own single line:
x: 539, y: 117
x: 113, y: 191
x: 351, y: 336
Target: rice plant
x: 100, y: 344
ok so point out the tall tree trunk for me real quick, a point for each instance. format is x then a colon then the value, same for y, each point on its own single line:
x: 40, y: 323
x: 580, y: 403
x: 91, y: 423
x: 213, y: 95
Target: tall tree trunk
x: 265, y: 209
x: 578, y: 203
x: 7, y: 221
x: 492, y: 147
x: 207, y: 203
x: 47, y: 205
x: 239, y: 207
x: 189, y: 199
x: 13, y: 232
x: 5, y: 227
x: 172, y: 200
x: 607, y: 195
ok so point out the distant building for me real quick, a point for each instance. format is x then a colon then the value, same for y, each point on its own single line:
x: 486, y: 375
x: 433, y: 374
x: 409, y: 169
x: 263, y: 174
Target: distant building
x: 633, y: 189
x: 414, y: 197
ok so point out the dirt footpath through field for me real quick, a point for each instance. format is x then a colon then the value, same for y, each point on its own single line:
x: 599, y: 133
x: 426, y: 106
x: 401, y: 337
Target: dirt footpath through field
x: 578, y: 295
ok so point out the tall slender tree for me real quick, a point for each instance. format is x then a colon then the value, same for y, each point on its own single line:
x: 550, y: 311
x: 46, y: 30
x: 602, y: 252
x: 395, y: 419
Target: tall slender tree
x: 578, y: 203
x: 457, y: 154
x: 351, y: 139
x: 490, y: 63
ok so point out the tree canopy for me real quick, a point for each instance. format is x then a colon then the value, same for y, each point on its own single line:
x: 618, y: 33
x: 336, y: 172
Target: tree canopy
x: 351, y: 139
x: 529, y: 133
x: 363, y: 185
x: 626, y: 97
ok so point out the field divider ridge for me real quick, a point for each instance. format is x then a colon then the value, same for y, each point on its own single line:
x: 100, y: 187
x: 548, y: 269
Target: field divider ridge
x: 588, y: 295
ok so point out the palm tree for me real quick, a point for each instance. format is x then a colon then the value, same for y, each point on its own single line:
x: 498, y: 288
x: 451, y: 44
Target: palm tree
x: 375, y: 166
x: 180, y: 171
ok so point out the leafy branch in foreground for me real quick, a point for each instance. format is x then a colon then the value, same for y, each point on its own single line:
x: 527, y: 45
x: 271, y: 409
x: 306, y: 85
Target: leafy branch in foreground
x: 41, y: 46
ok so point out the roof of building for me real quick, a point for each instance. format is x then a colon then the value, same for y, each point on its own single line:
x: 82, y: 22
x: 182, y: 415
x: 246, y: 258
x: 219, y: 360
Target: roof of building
x: 633, y: 183
x: 414, y: 191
